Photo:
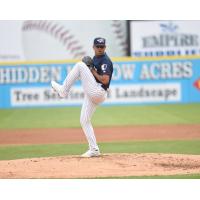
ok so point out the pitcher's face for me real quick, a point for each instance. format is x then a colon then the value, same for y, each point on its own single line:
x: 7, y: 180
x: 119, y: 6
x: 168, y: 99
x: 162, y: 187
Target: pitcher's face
x: 99, y: 49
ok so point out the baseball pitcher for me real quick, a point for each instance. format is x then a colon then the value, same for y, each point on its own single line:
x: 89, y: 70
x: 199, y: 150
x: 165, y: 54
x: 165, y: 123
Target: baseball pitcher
x: 95, y: 75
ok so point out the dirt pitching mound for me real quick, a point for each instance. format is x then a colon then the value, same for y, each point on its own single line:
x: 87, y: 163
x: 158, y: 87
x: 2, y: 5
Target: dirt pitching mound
x: 108, y: 165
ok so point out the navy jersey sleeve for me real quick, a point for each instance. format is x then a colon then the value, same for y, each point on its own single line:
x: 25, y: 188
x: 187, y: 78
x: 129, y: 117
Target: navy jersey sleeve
x: 106, y: 67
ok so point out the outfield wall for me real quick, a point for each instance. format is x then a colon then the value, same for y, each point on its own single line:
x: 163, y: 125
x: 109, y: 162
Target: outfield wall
x: 135, y: 81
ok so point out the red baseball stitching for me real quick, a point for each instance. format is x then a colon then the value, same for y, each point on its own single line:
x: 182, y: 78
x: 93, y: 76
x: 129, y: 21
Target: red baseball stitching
x: 59, y: 32
x: 118, y: 30
x: 67, y: 39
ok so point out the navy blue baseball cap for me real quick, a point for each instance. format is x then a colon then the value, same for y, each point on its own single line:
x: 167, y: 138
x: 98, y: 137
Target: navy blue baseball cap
x: 100, y: 41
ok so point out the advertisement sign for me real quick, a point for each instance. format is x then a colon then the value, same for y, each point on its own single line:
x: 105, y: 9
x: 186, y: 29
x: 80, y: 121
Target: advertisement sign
x: 11, y: 48
x: 164, y: 38
x: 134, y: 81
x: 59, y: 39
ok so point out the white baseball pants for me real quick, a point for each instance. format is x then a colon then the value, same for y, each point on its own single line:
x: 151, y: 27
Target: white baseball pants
x: 94, y: 95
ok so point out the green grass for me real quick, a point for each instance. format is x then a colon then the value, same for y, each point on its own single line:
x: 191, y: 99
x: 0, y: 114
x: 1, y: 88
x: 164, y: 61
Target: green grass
x: 104, y: 116
x: 182, y: 176
x: 31, y: 151
x: 37, y: 151
x: 68, y: 117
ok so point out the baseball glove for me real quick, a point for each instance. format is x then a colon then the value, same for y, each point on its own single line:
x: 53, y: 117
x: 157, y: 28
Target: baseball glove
x: 88, y: 61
